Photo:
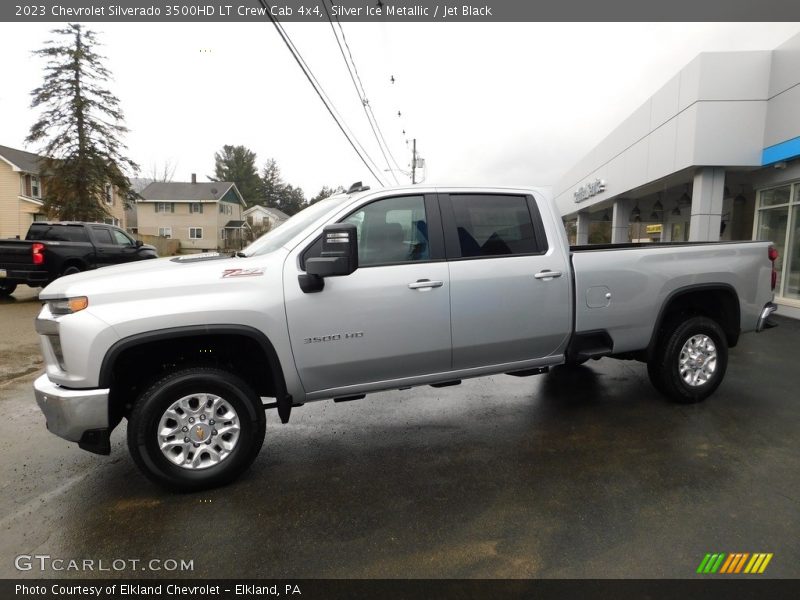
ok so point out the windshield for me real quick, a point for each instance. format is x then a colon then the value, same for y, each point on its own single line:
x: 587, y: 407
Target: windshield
x: 280, y: 236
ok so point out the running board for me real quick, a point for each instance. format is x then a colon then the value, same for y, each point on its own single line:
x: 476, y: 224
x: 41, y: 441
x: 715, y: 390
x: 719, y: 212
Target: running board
x: 349, y: 398
x: 446, y: 383
x: 529, y: 372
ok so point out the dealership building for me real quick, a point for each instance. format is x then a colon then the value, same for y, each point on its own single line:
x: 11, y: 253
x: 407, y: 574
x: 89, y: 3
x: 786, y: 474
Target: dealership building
x: 713, y: 155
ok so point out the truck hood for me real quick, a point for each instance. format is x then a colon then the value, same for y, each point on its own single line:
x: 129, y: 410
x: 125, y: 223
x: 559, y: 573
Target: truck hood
x: 142, y: 277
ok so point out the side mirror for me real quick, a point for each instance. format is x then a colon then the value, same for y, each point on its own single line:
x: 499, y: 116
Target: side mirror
x: 339, y: 257
x: 139, y: 243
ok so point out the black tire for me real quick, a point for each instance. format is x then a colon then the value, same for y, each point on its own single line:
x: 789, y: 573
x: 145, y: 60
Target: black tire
x: 7, y: 288
x: 664, y: 368
x: 71, y: 270
x: 147, y: 413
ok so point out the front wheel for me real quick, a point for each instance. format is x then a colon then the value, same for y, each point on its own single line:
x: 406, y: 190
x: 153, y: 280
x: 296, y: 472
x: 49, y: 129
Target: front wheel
x: 196, y: 428
x: 690, y: 360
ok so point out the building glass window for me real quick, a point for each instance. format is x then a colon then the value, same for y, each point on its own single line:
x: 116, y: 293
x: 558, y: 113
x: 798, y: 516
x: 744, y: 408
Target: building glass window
x: 165, y: 232
x: 195, y: 233
x: 109, y: 194
x: 36, y: 187
x: 195, y: 207
x: 165, y: 207
x: 778, y: 208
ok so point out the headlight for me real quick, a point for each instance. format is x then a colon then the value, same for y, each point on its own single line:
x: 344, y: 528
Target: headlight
x: 67, y: 306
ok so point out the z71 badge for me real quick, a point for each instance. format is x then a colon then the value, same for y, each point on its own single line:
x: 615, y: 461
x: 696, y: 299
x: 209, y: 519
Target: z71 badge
x: 254, y: 272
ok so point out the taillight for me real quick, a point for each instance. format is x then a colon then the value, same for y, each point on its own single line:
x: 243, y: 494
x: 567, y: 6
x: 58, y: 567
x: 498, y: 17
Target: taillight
x: 37, y: 252
x: 772, y: 252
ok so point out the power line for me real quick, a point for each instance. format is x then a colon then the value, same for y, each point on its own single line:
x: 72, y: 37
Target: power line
x: 361, y: 97
x: 362, y: 93
x: 321, y: 93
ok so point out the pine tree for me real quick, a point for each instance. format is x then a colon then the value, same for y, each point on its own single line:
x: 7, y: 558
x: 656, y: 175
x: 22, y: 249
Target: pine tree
x: 238, y: 165
x: 80, y: 129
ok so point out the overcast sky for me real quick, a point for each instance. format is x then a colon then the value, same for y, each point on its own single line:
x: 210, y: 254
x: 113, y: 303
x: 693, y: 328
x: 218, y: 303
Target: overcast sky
x: 503, y: 104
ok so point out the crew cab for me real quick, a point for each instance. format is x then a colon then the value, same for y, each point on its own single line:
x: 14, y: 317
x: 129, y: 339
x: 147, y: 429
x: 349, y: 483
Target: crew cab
x: 53, y: 249
x: 368, y: 291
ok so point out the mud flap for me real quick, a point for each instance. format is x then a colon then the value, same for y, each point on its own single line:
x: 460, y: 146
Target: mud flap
x: 284, y: 407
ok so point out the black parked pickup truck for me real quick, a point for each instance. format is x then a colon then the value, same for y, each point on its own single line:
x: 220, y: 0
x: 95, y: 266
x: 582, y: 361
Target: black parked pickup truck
x: 51, y: 250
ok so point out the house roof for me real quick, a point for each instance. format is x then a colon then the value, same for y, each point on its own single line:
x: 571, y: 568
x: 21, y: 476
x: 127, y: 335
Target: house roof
x: 21, y: 160
x: 180, y: 190
x: 275, y: 213
x: 234, y: 225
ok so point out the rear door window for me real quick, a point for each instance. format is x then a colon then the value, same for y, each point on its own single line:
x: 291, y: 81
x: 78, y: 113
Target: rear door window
x: 102, y: 235
x: 493, y: 225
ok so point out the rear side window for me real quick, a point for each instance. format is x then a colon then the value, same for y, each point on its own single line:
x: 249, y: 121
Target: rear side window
x: 103, y: 236
x: 490, y: 225
x: 57, y: 233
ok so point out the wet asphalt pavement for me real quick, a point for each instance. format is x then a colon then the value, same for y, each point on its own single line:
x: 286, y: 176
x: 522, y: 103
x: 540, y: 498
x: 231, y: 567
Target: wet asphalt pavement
x: 581, y: 473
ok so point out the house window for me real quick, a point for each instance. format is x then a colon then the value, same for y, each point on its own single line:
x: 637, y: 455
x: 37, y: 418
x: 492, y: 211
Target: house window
x: 36, y: 187
x: 165, y: 232
x: 249, y: 219
x: 165, y: 207
x: 225, y: 209
x: 111, y: 221
x: 109, y: 194
x: 223, y: 234
x: 195, y: 207
x: 195, y: 233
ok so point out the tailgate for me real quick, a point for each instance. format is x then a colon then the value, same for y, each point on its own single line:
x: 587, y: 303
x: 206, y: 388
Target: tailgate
x: 14, y: 253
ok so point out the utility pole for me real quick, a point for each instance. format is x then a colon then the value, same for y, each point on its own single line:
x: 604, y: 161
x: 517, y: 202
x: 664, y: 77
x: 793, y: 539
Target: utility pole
x: 414, y: 162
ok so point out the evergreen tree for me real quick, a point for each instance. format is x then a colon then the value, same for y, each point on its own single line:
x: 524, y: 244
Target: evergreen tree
x: 272, y: 185
x: 325, y: 192
x: 238, y: 165
x: 292, y: 200
x: 80, y: 129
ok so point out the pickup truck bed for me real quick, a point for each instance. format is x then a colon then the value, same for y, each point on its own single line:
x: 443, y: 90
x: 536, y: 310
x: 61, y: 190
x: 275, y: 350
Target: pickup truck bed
x: 621, y: 288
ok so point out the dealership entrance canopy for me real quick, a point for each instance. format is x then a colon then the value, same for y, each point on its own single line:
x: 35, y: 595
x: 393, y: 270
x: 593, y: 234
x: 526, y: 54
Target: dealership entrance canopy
x: 713, y: 155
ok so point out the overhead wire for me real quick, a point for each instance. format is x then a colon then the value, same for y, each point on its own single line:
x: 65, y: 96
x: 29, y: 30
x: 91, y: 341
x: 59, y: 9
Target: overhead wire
x: 361, y: 92
x: 362, y: 153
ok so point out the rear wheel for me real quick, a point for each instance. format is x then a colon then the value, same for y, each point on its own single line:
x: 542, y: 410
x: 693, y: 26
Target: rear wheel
x: 690, y: 360
x: 7, y: 288
x: 196, y: 428
x: 71, y: 270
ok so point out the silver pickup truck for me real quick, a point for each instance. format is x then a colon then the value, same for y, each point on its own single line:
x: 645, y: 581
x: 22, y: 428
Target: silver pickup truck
x: 369, y: 291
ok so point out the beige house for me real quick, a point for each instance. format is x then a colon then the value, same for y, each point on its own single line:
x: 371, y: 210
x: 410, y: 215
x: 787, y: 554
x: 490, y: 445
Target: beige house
x: 22, y: 188
x: 264, y: 217
x: 204, y: 216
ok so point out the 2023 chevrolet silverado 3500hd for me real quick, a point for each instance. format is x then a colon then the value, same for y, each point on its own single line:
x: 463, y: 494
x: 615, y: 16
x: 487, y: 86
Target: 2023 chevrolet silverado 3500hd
x: 368, y: 291
x: 51, y: 250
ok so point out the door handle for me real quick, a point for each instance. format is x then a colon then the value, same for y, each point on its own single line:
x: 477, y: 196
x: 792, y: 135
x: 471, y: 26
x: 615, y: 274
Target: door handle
x: 425, y: 284
x: 547, y: 274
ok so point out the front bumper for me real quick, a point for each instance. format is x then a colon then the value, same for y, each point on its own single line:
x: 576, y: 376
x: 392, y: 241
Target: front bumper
x: 763, y: 319
x: 75, y: 415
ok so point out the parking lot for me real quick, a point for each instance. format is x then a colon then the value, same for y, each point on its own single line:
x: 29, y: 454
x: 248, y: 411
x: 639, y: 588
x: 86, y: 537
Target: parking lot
x: 577, y: 473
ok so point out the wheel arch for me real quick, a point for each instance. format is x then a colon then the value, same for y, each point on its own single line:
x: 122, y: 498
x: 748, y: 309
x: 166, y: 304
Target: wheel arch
x: 717, y: 301
x: 158, y: 345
